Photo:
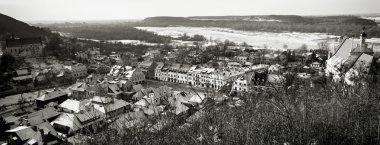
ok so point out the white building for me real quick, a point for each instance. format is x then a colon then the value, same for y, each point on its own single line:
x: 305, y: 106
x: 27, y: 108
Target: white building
x: 196, y: 75
x: 348, y: 58
x: 136, y: 76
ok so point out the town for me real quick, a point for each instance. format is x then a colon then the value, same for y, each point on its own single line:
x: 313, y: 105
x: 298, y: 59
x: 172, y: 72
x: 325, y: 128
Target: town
x: 63, y: 89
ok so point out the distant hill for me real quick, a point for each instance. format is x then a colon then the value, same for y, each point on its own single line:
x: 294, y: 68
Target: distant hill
x: 293, y: 19
x: 9, y: 25
x: 339, y: 25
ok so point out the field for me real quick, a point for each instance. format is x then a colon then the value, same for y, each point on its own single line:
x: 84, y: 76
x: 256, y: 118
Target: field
x: 271, y: 40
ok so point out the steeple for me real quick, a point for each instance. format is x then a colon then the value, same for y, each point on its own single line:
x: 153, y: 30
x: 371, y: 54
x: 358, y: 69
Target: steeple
x: 363, y: 36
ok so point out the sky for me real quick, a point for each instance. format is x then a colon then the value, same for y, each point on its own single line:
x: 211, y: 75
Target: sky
x: 33, y: 10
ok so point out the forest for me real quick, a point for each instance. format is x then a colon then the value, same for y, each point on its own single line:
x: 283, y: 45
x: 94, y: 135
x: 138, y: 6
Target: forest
x: 113, y: 32
x: 336, y: 25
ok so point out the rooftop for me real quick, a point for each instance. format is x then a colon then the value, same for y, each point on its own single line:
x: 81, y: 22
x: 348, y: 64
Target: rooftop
x: 23, y: 41
x: 51, y: 95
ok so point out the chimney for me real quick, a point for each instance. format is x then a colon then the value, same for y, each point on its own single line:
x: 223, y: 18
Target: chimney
x: 43, y: 134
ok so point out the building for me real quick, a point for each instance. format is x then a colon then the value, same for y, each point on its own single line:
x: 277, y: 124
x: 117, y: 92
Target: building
x: 78, y: 70
x: 110, y: 107
x: 136, y: 76
x: 315, y: 65
x: 157, y: 70
x: 242, y: 83
x: 48, y: 114
x: 197, y: 75
x: 99, y: 68
x: 93, y: 52
x: 23, y: 78
x: 152, y: 54
x: 148, y: 68
x: 55, y: 96
x: 24, y: 47
x: 24, y: 135
x: 350, y: 58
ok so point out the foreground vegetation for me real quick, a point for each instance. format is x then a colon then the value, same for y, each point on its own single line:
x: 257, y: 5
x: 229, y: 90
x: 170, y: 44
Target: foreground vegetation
x: 295, y: 113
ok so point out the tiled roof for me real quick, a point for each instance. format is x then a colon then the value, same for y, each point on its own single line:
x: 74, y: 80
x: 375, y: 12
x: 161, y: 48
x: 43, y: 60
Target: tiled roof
x: 23, y: 41
x: 185, y: 68
x: 363, y: 62
x: 22, y: 77
x: 145, y: 64
x: 88, y: 114
x: 35, y: 120
x: 160, y: 65
x: 344, y: 48
x: 115, y: 89
x: 69, y: 120
x: 46, y: 127
x: 51, y: 95
x: 364, y: 50
x: 138, y: 87
x: 22, y: 72
x: 72, y: 105
x: 23, y: 132
x: 117, y: 104
x: 350, y: 62
x: 175, y: 67
x: 45, y: 113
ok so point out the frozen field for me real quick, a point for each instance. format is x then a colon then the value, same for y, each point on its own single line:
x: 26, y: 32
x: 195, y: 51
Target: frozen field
x: 272, y: 40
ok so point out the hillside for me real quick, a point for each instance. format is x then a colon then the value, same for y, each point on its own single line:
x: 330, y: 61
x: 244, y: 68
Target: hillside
x: 109, y: 32
x: 10, y: 26
x: 338, y: 25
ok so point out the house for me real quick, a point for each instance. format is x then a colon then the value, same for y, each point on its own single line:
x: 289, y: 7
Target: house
x: 152, y: 54
x: 39, y: 134
x: 83, y: 117
x: 48, y: 114
x: 24, y: 47
x: 234, y: 65
x: 145, y: 66
x: 118, y: 70
x: 242, y: 58
x: 157, y: 70
x: 315, y: 65
x: 79, y: 90
x: 114, y: 91
x: 242, y: 83
x: 136, y: 76
x: 93, y: 52
x: 66, y: 123
x: 23, y: 78
x: 78, y: 70
x: 98, y: 68
x: 110, y: 107
x: 54, y: 96
x: 70, y: 106
x: 81, y: 56
x: 24, y: 135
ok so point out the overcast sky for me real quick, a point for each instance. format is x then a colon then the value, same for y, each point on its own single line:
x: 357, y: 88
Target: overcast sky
x: 28, y: 10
